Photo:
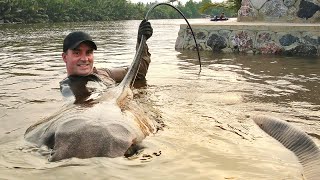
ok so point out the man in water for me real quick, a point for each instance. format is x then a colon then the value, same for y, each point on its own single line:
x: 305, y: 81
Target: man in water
x: 106, y: 129
x: 78, y: 50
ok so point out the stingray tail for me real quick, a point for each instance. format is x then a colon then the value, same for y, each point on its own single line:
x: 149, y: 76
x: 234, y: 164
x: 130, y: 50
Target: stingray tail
x: 133, y: 70
x: 296, y: 141
x: 130, y: 77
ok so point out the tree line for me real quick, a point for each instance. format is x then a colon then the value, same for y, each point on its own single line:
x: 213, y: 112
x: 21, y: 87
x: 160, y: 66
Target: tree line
x: 40, y: 11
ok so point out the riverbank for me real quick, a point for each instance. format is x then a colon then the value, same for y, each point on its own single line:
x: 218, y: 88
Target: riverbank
x: 2, y: 21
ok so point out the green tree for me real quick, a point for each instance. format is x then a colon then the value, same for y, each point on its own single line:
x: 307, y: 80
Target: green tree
x: 34, y: 11
x: 231, y: 6
x: 5, y: 8
x: 192, y: 8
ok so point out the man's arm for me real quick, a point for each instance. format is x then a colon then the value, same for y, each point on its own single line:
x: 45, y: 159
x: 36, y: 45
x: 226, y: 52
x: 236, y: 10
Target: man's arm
x: 145, y: 61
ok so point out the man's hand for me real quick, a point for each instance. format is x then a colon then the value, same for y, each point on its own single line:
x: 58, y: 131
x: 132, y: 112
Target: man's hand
x: 144, y: 29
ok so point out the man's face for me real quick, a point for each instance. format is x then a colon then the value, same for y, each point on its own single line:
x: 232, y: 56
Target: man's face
x: 79, y: 61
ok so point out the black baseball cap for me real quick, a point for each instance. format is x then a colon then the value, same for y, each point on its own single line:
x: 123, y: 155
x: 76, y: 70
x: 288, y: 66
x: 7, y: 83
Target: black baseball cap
x: 73, y: 40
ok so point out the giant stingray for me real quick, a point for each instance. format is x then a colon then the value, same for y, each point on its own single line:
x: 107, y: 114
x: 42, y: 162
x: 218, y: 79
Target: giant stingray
x: 98, y: 123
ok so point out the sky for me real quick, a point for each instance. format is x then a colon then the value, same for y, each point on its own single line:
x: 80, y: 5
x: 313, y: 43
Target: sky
x: 182, y: 1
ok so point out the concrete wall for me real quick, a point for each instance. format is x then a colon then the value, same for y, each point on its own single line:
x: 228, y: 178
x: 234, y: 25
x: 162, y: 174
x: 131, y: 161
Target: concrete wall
x: 296, y: 11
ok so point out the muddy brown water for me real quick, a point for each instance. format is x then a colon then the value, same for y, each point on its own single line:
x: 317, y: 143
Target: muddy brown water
x: 208, y: 132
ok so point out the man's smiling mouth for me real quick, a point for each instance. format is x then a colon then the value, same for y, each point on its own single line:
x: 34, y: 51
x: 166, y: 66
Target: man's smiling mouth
x: 81, y: 65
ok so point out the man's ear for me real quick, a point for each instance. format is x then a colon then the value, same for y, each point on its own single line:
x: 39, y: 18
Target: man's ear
x: 64, y: 54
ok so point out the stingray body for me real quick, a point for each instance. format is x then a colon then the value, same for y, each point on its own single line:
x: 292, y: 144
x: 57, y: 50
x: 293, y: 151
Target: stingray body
x: 104, y: 122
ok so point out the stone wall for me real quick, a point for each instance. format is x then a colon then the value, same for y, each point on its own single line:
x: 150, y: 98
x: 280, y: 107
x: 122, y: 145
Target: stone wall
x: 288, y: 27
x: 295, y: 11
x: 258, y: 38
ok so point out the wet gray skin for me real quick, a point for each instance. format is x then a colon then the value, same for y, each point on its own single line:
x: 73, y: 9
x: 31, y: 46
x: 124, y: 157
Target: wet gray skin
x: 295, y: 140
x: 101, y: 122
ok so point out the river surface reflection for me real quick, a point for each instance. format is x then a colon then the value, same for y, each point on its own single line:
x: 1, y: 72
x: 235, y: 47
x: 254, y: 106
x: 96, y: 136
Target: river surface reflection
x: 208, y: 132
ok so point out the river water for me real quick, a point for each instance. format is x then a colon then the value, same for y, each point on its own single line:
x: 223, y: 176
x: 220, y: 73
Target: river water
x: 208, y: 132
